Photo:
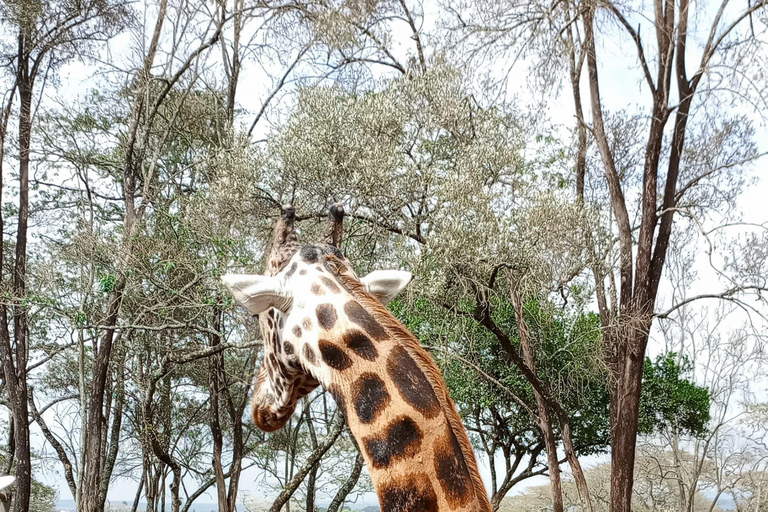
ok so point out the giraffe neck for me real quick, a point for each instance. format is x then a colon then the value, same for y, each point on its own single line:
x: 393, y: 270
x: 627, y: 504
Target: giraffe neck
x: 415, y: 453
x: 402, y: 417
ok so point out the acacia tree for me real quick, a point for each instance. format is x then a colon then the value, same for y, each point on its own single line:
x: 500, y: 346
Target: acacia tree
x: 725, y: 357
x: 687, y: 149
x: 47, y: 35
x: 499, y: 405
x: 628, y: 322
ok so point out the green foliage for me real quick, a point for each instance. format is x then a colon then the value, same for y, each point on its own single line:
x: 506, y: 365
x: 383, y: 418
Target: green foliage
x: 567, y: 358
x: 107, y: 283
x: 43, y: 496
x: 669, y: 402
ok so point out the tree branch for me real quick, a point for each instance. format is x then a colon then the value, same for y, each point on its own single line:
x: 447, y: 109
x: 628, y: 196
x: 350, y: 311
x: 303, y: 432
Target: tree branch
x: 726, y: 294
x: 312, y: 460
x: 57, y: 446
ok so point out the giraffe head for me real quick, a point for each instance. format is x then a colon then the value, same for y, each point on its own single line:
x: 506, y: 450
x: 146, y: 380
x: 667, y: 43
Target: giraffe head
x: 299, y: 301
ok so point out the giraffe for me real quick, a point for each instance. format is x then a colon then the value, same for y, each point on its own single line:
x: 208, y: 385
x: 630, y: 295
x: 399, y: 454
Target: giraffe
x: 323, y: 325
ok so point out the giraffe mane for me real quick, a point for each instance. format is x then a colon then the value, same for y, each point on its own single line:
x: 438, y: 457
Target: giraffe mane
x: 408, y: 341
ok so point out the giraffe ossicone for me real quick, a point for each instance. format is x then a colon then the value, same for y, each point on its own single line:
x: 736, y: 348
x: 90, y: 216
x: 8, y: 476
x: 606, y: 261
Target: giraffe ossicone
x: 323, y: 325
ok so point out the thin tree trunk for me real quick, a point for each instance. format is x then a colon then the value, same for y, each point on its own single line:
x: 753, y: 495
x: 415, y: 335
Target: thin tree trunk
x: 218, y: 439
x: 114, y: 435
x: 544, y: 419
x: 573, y: 461
x: 310, y: 502
x: 137, y: 498
x: 16, y: 370
x: 84, y: 415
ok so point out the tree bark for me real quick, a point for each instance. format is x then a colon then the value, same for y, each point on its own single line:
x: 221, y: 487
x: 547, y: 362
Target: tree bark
x: 310, y: 501
x: 214, y: 365
x: 112, y: 447
x: 544, y: 418
x: 14, y: 359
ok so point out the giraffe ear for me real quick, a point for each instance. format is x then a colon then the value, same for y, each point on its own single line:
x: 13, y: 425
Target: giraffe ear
x: 258, y: 293
x: 386, y: 284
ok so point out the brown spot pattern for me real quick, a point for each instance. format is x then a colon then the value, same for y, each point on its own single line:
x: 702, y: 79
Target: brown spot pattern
x: 307, y: 323
x: 287, y: 348
x: 412, y: 383
x: 370, y: 397
x: 360, y: 344
x: 402, y: 439
x: 316, y: 289
x: 333, y: 287
x: 414, y: 494
x: 309, y: 354
x: 358, y: 315
x: 309, y: 254
x: 326, y: 315
x: 334, y: 356
x: 451, y: 469
x: 296, y: 331
x: 291, y: 270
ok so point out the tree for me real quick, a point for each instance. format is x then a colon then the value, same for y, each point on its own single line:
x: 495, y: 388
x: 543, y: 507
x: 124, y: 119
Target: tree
x: 669, y: 402
x: 497, y: 402
x: 677, y: 128
x: 47, y: 35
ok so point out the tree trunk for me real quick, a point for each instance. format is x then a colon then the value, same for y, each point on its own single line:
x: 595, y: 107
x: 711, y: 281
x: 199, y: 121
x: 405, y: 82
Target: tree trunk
x: 218, y: 439
x: 112, y: 447
x: 544, y: 419
x: 625, y: 407
x: 310, y: 502
x: 16, y: 370
x: 573, y: 461
x: 93, y: 473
